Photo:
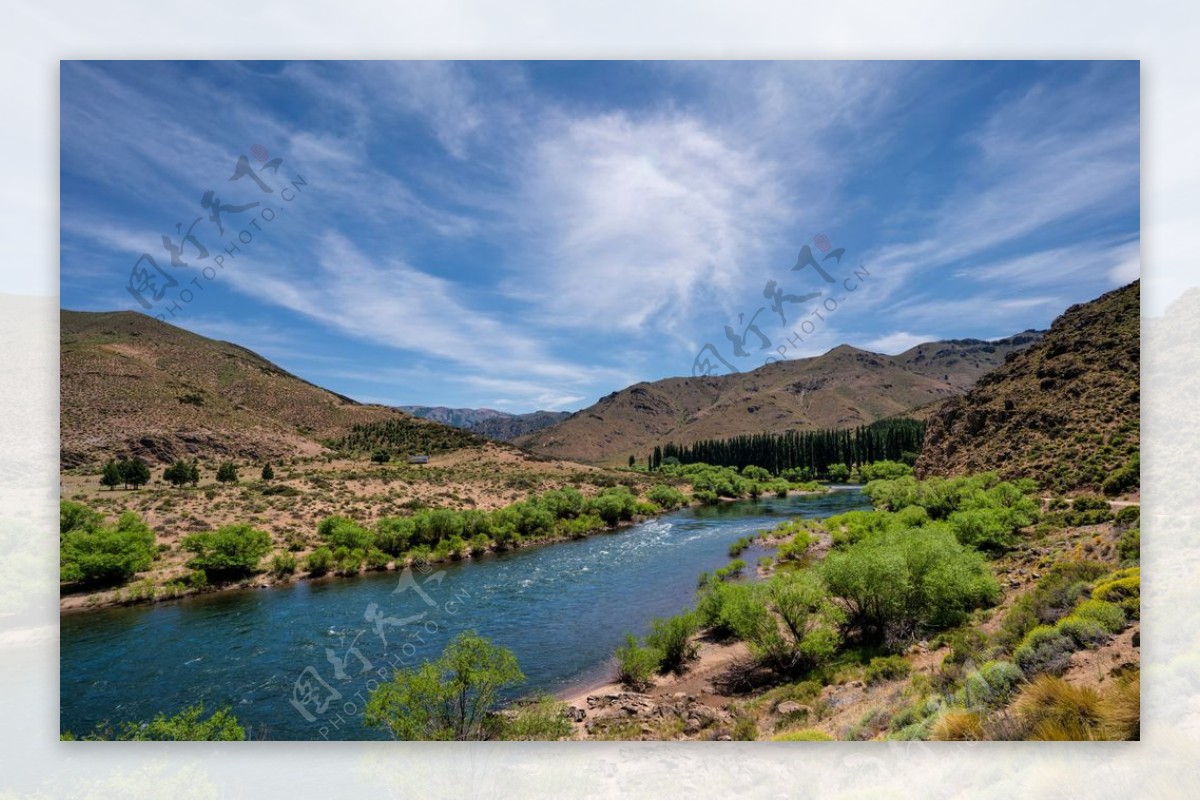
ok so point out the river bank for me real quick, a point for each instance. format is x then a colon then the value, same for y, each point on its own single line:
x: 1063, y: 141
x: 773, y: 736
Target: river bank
x: 145, y: 591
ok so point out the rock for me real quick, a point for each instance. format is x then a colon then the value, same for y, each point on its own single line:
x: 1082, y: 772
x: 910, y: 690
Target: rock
x: 576, y: 714
x: 691, y: 726
x: 790, y: 708
x: 855, y: 684
x: 592, y: 701
x: 708, y: 689
x: 679, y: 695
x: 725, y: 738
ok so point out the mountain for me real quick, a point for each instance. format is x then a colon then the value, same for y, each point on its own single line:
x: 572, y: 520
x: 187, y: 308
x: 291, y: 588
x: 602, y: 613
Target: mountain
x: 132, y: 385
x: 489, y: 423
x: 844, y: 387
x: 1065, y: 411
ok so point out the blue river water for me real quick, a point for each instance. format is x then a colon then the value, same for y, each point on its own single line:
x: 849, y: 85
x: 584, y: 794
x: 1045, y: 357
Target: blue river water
x: 296, y: 661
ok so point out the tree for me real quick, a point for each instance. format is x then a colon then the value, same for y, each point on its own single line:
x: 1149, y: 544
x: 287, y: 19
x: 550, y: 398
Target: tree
x: 447, y: 699
x: 112, y: 475
x: 194, y: 473
x: 632, y: 460
x: 900, y: 582
x: 179, y: 473
x: 134, y: 472
x: 381, y: 457
x: 222, y: 725
x: 92, y: 554
x: 227, y: 473
x: 268, y: 472
x: 229, y: 552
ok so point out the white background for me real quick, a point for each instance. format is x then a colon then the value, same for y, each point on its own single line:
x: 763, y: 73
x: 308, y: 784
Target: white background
x: 36, y: 34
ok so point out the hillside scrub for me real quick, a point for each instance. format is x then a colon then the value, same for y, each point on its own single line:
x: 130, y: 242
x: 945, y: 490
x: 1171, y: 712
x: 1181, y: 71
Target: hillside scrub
x: 95, y: 555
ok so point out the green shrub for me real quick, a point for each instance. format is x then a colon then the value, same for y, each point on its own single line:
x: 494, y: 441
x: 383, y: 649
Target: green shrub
x: 1110, y: 616
x: 883, y: 470
x: 897, y: 583
x: 319, y: 561
x: 377, y: 559
x: 283, y: 564
x: 990, y: 686
x: 1055, y: 595
x: 636, y: 665
x: 540, y: 718
x: 230, y: 552
x: 91, y: 554
x: 802, y: 736
x: 671, y: 638
x: 1121, y: 480
x: 1084, y: 632
x: 886, y: 668
x: 666, y: 497
x: 1123, y: 588
x: 188, y: 725
x: 341, y: 532
x: 1129, y: 545
x: 1128, y: 516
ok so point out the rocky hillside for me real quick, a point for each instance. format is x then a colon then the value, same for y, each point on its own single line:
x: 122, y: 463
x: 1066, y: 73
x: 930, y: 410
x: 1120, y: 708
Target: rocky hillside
x: 844, y: 387
x: 1065, y: 411
x: 503, y: 426
x: 132, y: 385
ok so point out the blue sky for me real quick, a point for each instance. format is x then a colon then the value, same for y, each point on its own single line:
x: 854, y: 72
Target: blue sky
x: 536, y: 235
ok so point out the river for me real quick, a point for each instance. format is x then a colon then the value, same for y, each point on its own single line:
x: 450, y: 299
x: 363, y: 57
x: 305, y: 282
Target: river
x: 561, y: 608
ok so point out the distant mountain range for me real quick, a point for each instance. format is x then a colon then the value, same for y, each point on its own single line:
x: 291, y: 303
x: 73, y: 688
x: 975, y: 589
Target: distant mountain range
x: 489, y: 423
x: 1065, y: 411
x: 842, y: 388
x: 131, y: 385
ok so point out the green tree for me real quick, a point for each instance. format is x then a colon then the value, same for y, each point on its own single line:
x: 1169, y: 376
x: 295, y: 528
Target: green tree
x: 178, y: 474
x: 448, y: 699
x: 632, y: 460
x: 111, y: 476
x: 229, y: 552
x: 900, y: 582
x: 92, y: 554
x: 227, y: 473
x: 194, y: 473
x: 188, y: 725
x: 838, y: 473
x: 268, y: 472
x: 134, y: 472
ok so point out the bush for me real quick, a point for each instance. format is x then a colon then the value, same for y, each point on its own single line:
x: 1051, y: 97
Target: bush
x: 838, y: 473
x: 341, y: 532
x: 887, y: 668
x: 671, y: 638
x: 636, y: 665
x: 883, y: 470
x: 1110, y: 616
x: 283, y: 564
x: 1128, y: 516
x: 319, y: 561
x: 1045, y: 649
x: 227, y: 473
x: 1122, y: 588
x: 958, y: 724
x: 1055, y: 595
x: 802, y: 736
x: 991, y: 685
x: 1121, y: 480
x: 188, y: 725
x: 230, y: 552
x: 1051, y: 709
x: 542, y: 717
x: 91, y: 554
x: 666, y: 497
x: 897, y: 583
x: 377, y: 559
x: 1129, y: 546
x: 448, y: 699
x: 394, y: 534
x: 789, y: 622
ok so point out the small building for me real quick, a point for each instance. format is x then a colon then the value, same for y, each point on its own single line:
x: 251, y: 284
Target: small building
x: 418, y: 459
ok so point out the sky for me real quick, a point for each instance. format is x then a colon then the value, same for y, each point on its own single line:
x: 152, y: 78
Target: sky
x: 535, y: 235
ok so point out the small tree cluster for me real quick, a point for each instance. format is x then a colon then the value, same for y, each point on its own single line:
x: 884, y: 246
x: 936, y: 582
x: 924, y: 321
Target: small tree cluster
x: 128, y: 472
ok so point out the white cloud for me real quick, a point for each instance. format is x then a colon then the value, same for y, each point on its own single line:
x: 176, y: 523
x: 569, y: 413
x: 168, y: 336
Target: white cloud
x: 896, y: 342
x: 632, y: 219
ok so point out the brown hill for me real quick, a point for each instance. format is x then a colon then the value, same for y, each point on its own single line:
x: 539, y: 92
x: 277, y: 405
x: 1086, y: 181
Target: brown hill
x: 132, y: 385
x: 1064, y: 412
x: 844, y: 387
